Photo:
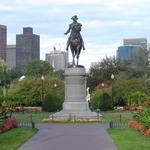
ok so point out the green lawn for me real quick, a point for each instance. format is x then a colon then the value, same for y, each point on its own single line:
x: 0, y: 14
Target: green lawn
x: 115, y: 116
x: 107, y: 116
x: 14, y: 138
x: 129, y: 139
x: 36, y: 117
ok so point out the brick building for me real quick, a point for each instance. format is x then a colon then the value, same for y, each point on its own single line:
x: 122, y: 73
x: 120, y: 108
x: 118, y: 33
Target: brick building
x: 27, y: 47
x: 3, y: 41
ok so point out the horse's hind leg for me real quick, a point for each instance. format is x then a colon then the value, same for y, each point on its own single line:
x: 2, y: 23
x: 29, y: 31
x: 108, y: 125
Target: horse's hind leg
x: 78, y: 54
x: 77, y: 59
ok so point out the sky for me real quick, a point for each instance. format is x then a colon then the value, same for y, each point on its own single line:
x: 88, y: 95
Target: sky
x: 105, y: 23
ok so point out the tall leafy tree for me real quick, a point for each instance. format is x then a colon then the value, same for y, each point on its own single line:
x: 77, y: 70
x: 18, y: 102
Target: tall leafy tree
x: 3, y: 69
x: 32, y: 92
x: 102, y: 71
x: 3, y: 76
x: 37, y: 68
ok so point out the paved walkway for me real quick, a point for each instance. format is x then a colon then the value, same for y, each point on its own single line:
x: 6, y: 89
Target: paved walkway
x: 70, y: 137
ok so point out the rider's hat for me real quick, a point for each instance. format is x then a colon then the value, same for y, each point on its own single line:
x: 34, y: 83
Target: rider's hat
x: 74, y: 17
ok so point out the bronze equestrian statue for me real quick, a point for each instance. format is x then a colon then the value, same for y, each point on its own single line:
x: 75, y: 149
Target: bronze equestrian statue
x: 75, y: 40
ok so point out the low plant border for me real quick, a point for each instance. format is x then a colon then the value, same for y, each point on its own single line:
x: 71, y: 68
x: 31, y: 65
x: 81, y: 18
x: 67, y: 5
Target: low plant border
x: 133, y: 123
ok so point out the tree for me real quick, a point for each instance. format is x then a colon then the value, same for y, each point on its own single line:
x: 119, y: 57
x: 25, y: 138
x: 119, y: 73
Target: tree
x: 3, y: 75
x: 102, y: 71
x: 60, y: 74
x: 14, y: 74
x: 32, y: 91
x: 132, y: 89
x: 37, y: 68
x: 3, y: 69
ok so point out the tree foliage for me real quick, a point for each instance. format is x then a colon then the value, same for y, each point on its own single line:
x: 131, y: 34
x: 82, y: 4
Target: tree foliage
x: 33, y: 91
x: 37, y: 68
x: 102, y: 71
x: 52, y: 103
x: 133, y: 90
x: 102, y: 99
x: 3, y: 70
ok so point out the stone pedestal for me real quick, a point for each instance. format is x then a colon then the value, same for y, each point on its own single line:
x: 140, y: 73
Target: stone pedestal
x: 75, y: 103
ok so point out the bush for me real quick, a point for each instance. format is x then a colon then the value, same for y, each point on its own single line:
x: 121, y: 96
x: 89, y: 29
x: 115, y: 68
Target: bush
x: 138, y: 97
x: 106, y: 102
x: 1, y: 120
x: 101, y: 100
x: 144, y: 117
x: 95, y: 101
x: 52, y: 103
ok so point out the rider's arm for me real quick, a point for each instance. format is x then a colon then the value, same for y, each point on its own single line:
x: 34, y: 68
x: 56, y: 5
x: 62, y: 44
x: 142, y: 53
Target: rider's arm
x: 68, y: 30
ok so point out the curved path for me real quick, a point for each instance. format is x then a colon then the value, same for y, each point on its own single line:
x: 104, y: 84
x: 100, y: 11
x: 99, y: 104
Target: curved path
x: 70, y: 137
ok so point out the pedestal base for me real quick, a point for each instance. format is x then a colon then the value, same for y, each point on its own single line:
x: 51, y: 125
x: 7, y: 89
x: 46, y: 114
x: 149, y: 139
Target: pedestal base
x: 82, y: 114
x: 75, y: 103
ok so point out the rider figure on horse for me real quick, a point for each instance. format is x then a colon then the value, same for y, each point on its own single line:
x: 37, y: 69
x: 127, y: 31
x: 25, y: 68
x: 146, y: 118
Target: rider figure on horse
x: 72, y: 26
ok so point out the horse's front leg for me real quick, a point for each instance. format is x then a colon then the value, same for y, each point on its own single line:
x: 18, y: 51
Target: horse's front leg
x: 73, y: 61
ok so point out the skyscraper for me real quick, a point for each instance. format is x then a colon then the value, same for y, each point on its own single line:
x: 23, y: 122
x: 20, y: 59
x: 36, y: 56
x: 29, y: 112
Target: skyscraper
x: 128, y: 52
x: 58, y: 59
x: 3, y: 41
x: 134, y: 51
x: 11, y: 56
x: 27, y: 47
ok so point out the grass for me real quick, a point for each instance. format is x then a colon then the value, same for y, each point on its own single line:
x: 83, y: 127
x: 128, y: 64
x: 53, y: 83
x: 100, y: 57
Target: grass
x: 14, y: 138
x: 129, y: 139
x: 36, y: 117
x: 115, y: 116
x: 107, y: 116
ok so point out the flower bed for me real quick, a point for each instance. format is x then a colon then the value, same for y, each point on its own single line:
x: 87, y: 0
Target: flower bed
x: 70, y: 120
x: 139, y: 127
x: 8, y: 124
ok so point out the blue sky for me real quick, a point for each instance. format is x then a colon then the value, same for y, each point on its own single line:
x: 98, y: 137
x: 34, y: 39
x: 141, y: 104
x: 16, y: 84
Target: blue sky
x: 105, y: 23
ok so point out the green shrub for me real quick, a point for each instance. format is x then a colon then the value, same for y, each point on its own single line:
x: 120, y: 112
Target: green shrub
x: 95, y: 101
x: 1, y: 120
x: 106, y: 102
x: 121, y: 101
x: 144, y: 117
x: 52, y: 103
x: 101, y: 99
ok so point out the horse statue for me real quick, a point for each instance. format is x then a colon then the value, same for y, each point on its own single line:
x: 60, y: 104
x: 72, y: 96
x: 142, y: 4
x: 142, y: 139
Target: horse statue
x: 75, y: 40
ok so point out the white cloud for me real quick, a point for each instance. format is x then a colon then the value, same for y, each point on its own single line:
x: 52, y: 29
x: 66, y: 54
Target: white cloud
x: 118, y: 5
x: 115, y: 23
x: 61, y: 2
x: 94, y: 52
x: 108, y: 21
x: 8, y: 8
x: 47, y: 44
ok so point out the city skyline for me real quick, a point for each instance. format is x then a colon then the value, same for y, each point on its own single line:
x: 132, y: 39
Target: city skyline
x: 105, y: 24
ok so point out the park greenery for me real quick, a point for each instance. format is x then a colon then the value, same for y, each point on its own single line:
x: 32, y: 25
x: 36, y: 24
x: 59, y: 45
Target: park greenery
x: 129, y: 139
x: 144, y: 117
x: 130, y: 83
x: 38, y: 68
x: 13, y: 139
x: 32, y: 90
